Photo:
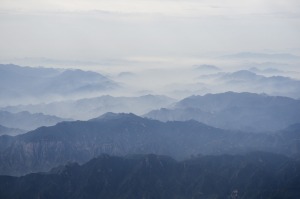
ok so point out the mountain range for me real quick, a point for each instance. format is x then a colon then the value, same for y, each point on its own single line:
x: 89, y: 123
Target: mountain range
x: 122, y: 134
x: 238, y: 111
x: 88, y: 108
x: 245, y: 80
x: 254, y: 175
x: 248, y: 81
x: 19, y: 84
x: 54, y: 144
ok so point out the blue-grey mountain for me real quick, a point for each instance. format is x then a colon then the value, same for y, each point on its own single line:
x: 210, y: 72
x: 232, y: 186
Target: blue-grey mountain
x: 240, y: 111
x: 88, y: 108
x: 122, y: 134
x: 19, y: 84
x: 251, y: 176
x: 28, y: 121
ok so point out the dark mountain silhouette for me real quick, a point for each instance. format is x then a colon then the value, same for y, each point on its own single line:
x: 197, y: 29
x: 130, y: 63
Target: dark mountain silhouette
x: 254, y: 175
x: 239, y: 111
x: 28, y: 121
x: 122, y: 134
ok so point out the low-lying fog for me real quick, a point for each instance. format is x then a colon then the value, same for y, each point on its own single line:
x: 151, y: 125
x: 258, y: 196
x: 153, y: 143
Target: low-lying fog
x: 181, y: 78
x: 273, y: 74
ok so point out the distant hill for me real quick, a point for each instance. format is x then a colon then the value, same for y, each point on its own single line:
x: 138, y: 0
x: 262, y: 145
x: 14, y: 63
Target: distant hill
x: 251, y: 176
x: 239, y: 111
x: 269, y: 81
x: 242, y: 75
x: 207, y: 68
x: 19, y: 84
x: 266, y: 71
x: 244, y: 80
x: 28, y: 121
x: 10, y: 131
x: 122, y: 134
x: 88, y: 108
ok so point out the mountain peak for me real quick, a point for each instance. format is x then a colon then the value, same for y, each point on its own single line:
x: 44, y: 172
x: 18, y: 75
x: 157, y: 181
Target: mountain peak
x: 114, y: 116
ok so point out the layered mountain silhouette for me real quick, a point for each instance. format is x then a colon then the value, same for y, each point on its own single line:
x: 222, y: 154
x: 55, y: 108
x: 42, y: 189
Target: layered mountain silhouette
x: 239, y: 111
x: 226, y: 145
x: 26, y: 83
x: 251, y: 176
x: 122, y: 134
x: 27, y: 121
x: 255, y: 81
x: 245, y: 80
x: 88, y: 108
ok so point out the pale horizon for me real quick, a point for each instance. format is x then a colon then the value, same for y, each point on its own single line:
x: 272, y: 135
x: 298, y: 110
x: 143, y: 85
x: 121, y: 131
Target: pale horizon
x: 129, y: 32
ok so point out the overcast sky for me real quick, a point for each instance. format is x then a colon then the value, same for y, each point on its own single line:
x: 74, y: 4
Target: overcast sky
x: 93, y: 30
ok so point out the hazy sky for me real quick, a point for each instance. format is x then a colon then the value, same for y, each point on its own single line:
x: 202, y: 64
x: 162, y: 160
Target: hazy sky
x: 92, y: 30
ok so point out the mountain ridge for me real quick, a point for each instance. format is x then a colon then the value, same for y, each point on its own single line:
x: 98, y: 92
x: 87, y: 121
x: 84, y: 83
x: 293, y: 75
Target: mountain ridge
x: 238, y: 111
x: 253, y: 175
x: 123, y: 134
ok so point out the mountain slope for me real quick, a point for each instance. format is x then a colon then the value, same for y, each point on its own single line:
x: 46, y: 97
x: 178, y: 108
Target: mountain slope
x: 122, y: 134
x: 255, y: 175
x: 239, y: 111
